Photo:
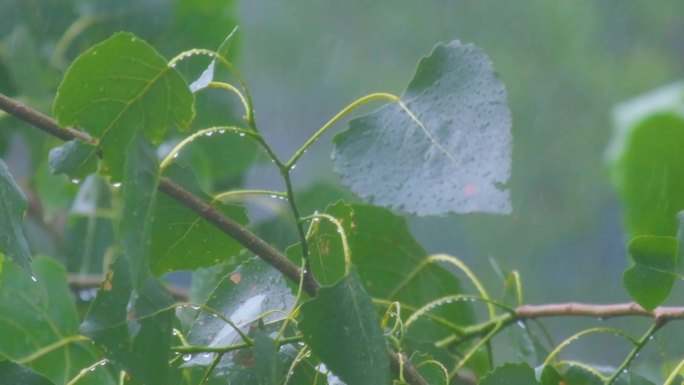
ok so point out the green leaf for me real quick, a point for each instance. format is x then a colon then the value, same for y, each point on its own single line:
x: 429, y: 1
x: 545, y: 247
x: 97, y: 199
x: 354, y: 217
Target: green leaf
x: 139, y: 191
x: 13, y: 206
x: 12, y: 373
x: 342, y: 329
x: 142, y: 348
x: 646, y: 170
x: 386, y: 257
x: 181, y: 239
x: 242, y: 296
x: 577, y: 375
x: 550, y: 376
x: 267, y: 363
x: 76, y: 159
x: 37, y: 315
x: 635, y: 379
x: 509, y: 374
x: 649, y: 281
x: 456, y: 157
x: 118, y: 87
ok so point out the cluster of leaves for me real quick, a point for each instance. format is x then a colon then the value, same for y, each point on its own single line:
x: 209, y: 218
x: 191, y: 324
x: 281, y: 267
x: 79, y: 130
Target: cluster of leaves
x: 357, y: 298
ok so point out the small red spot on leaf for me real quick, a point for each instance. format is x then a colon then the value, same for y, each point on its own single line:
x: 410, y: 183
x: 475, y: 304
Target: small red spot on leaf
x: 470, y: 190
x: 236, y: 278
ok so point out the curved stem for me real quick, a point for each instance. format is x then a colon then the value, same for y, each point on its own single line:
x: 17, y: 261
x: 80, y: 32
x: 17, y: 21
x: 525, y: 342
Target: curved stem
x: 237, y: 193
x: 68, y: 37
x: 230, y: 67
x: 87, y: 370
x: 353, y: 105
x: 474, y: 350
x: 343, y: 237
x: 576, y: 336
x: 236, y: 91
x: 206, y: 132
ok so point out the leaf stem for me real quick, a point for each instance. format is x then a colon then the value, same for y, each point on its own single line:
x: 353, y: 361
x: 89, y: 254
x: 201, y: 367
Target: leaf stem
x: 64, y: 341
x: 237, y: 193
x: 173, y: 154
x: 285, y: 173
x: 352, y: 106
x: 236, y: 91
x: 634, y: 352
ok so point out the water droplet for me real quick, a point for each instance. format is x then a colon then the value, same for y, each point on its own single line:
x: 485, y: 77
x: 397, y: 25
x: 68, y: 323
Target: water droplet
x: 317, y: 219
x: 293, y: 167
x: 242, y: 134
x: 172, y: 65
x: 187, y: 357
x: 116, y: 185
x: 209, y: 133
x: 273, y: 196
x: 175, y: 155
x: 221, y: 131
x: 75, y: 181
x: 33, y: 278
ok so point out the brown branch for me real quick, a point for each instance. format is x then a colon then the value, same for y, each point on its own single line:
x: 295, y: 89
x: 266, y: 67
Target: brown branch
x: 40, y: 121
x: 233, y: 229
x: 661, y: 316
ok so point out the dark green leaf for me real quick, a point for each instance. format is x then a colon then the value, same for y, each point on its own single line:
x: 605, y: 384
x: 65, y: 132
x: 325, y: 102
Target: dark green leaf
x: 36, y: 315
x: 646, y: 170
x: 139, y: 191
x: 25, y: 63
x: 242, y: 296
x: 550, y: 376
x: 181, y: 239
x: 385, y: 255
x: 266, y: 360
x: 635, y: 379
x: 342, y: 329
x: 76, y: 159
x: 456, y: 157
x: 649, y: 281
x: 15, y: 374
x: 13, y: 206
x: 576, y: 375
x: 118, y: 87
x: 510, y: 374
x: 142, y: 348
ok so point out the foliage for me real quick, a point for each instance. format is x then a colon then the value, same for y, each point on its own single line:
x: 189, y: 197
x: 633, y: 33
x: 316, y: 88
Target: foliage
x: 357, y: 299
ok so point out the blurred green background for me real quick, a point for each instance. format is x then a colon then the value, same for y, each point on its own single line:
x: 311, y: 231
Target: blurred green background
x: 565, y: 65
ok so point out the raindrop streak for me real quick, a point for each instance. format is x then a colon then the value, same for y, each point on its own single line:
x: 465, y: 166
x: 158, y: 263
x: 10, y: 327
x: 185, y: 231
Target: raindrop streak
x: 33, y: 278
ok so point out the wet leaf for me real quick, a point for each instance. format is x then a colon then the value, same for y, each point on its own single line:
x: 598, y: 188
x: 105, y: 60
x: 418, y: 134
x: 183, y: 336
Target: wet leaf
x: 13, y: 206
x: 649, y: 281
x: 242, y: 296
x: 133, y: 330
x: 452, y: 155
x: 76, y: 159
x: 12, y: 373
x: 118, y: 87
x: 341, y: 328
x: 181, y: 239
x: 267, y: 363
x: 141, y: 177
x: 550, y: 376
x: 386, y: 257
x: 509, y: 374
x: 36, y: 315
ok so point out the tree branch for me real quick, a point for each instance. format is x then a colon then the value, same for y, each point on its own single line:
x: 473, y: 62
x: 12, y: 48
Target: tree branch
x: 233, y: 229
x: 661, y: 316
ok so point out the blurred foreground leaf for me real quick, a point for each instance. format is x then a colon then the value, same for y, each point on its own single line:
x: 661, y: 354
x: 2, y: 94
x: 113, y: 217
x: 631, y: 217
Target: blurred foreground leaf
x: 38, y: 317
x: 13, y: 206
x: 452, y: 153
x: 11, y: 373
x: 649, y: 281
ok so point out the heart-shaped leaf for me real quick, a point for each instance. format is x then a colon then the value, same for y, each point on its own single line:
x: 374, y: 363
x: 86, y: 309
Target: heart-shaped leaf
x: 445, y: 148
x: 649, y: 281
x: 118, y: 87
